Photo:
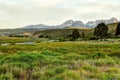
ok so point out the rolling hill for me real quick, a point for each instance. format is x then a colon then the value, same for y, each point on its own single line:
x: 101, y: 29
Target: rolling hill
x: 61, y: 32
x: 112, y: 28
x: 68, y: 30
x: 16, y: 31
x: 57, y: 32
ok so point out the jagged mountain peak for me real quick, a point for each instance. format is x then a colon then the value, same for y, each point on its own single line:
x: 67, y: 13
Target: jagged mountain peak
x: 92, y: 24
x: 74, y: 23
x: 113, y: 19
x: 70, y: 20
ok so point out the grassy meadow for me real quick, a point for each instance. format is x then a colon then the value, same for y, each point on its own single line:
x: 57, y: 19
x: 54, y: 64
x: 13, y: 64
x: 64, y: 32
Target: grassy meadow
x: 79, y: 60
x: 4, y: 39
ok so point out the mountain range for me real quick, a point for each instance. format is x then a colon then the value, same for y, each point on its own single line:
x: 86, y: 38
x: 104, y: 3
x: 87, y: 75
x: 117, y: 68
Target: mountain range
x: 76, y: 24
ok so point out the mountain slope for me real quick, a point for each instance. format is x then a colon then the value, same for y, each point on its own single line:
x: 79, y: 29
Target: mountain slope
x: 66, y: 31
x: 68, y: 23
x: 112, y: 28
x: 65, y: 24
x: 92, y: 24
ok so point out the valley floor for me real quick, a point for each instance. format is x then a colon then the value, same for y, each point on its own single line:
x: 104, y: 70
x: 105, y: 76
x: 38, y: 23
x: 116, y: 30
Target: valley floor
x: 61, y: 61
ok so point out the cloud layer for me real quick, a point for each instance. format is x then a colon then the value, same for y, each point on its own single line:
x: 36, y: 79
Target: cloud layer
x: 17, y: 13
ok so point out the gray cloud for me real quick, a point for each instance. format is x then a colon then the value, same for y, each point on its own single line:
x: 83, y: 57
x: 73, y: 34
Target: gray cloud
x: 17, y: 13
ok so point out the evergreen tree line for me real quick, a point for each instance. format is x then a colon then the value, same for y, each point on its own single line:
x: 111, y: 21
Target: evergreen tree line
x: 101, y: 32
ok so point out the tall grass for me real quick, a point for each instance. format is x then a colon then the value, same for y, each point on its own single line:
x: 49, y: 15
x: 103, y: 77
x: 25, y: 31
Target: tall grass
x: 60, y: 61
x: 13, y: 39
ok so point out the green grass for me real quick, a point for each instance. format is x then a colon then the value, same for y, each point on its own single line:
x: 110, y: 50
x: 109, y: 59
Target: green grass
x: 13, y: 40
x: 61, y: 61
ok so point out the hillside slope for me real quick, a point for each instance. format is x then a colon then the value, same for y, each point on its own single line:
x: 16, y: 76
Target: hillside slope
x: 68, y: 30
x: 112, y: 28
x: 61, y: 32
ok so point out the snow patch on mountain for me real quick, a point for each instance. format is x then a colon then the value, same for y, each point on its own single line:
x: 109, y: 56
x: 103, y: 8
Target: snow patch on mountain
x: 68, y: 23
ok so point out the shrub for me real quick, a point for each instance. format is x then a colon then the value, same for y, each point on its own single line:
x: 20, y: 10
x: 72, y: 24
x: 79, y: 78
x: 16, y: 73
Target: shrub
x: 17, y: 72
x: 71, y: 56
x: 93, y: 38
x: 60, y: 70
x: 90, y: 68
x: 3, y: 69
x: 7, y: 76
x: 36, y: 75
x: 61, y: 50
x: 49, y: 53
x: 59, y: 62
x: 75, y: 65
x: 105, y: 62
x: 61, y: 39
x: 98, y: 55
x: 115, y: 54
x: 49, y: 73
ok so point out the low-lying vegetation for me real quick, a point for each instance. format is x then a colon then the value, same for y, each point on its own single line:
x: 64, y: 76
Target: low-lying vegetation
x: 4, y: 39
x: 52, y: 61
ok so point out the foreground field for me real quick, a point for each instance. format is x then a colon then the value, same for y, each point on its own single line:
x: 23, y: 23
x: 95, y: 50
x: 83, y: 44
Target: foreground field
x: 61, y: 61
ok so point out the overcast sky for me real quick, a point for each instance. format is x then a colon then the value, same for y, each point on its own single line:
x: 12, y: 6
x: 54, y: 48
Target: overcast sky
x: 18, y: 13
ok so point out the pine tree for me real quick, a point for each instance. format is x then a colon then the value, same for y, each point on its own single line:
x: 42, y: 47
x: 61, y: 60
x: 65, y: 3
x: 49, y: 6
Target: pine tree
x: 117, y: 30
x: 83, y: 34
x: 75, y: 34
x: 101, y: 31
